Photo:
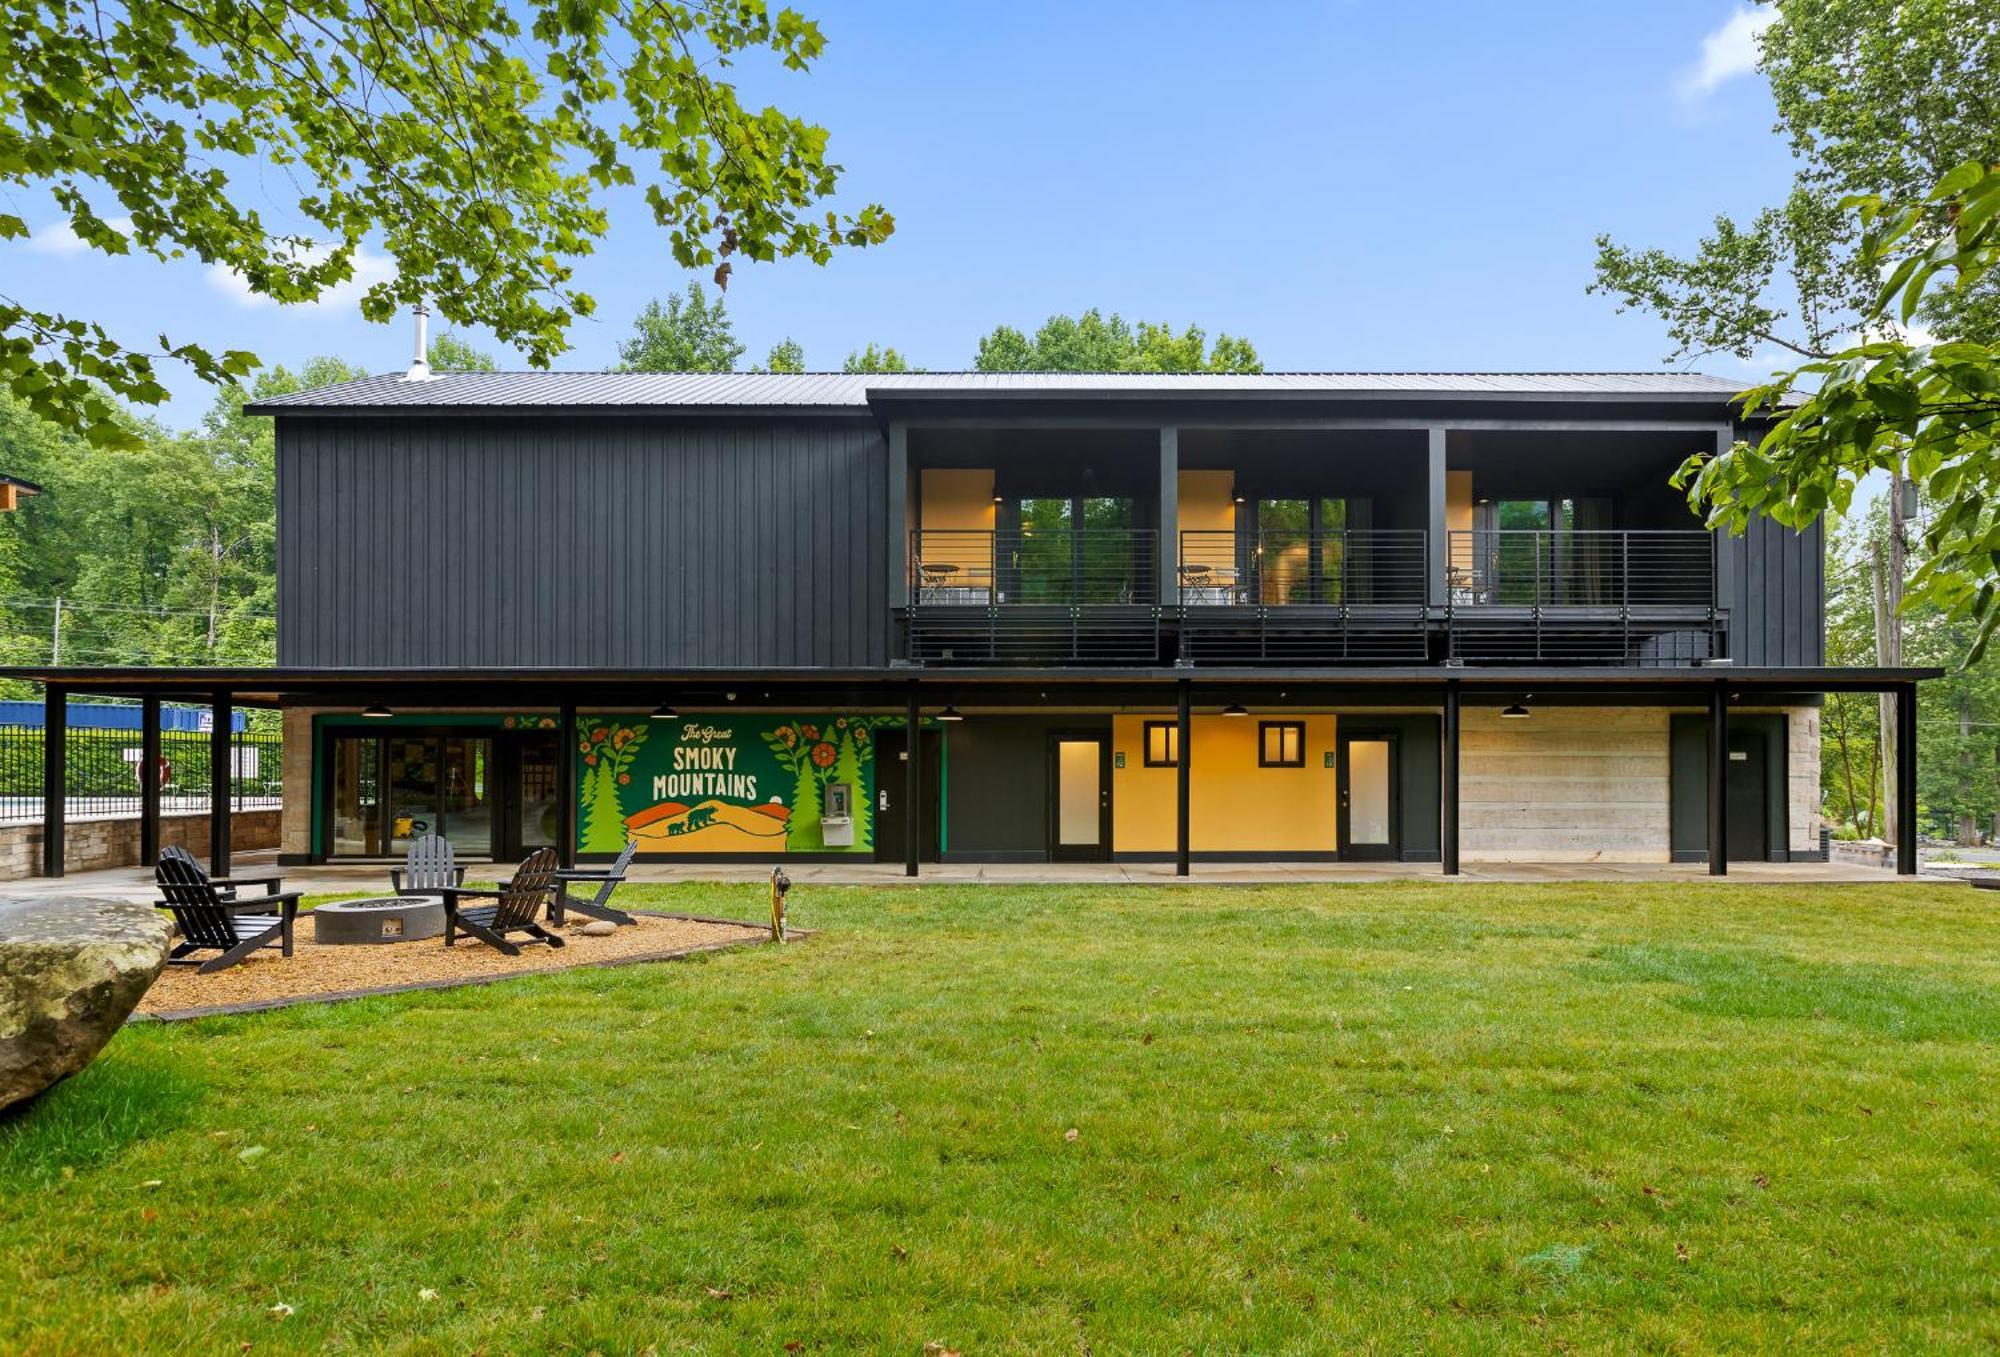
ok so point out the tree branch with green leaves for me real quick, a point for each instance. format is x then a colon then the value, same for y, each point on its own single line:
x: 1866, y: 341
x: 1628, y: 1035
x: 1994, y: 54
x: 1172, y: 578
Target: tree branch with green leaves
x: 1926, y: 411
x: 477, y: 140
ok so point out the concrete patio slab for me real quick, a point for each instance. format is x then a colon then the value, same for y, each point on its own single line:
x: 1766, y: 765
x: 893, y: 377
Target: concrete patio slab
x: 357, y: 879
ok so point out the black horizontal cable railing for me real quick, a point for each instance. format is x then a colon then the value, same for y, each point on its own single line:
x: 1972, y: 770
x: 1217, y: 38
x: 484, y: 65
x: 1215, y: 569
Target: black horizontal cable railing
x: 1281, y: 597
x: 1034, y: 595
x: 1583, y: 596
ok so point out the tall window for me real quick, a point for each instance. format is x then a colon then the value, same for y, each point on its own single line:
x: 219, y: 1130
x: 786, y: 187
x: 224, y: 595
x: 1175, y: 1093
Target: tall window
x: 1303, y: 553
x: 1071, y: 550
x: 1543, y: 551
x: 1163, y: 744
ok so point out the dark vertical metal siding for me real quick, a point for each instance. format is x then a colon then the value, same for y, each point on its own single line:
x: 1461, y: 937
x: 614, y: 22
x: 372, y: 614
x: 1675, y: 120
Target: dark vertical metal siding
x: 608, y: 542
x: 1776, y: 595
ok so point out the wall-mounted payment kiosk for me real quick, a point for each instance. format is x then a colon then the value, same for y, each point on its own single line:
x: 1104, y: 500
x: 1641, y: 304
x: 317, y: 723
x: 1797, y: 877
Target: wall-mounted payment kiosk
x: 836, y: 816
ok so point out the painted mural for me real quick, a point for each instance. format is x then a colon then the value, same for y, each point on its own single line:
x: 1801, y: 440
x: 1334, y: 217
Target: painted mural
x: 722, y: 783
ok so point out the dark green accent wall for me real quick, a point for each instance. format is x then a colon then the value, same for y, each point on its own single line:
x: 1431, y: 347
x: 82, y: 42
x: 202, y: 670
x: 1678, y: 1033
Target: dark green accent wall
x: 999, y: 805
x: 1688, y: 783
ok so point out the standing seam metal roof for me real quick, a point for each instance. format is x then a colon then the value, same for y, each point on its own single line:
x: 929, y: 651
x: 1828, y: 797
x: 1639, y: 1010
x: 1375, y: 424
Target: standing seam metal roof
x: 838, y: 390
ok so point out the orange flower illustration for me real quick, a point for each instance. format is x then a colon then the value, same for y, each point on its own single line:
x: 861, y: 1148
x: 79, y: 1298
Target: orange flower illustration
x: 823, y: 754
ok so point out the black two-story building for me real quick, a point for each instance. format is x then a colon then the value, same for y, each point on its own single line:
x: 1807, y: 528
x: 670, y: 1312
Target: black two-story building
x: 983, y: 617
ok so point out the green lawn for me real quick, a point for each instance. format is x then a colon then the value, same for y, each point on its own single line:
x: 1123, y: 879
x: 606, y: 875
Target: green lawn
x: 1388, y: 1118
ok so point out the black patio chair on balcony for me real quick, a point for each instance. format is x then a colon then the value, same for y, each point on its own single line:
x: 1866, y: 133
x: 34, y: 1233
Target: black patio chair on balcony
x: 515, y: 905
x: 235, y: 925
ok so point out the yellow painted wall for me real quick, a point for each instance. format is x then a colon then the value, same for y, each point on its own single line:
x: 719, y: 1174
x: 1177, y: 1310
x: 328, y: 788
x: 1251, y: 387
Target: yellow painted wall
x: 1234, y: 805
x: 959, y: 498
x: 1458, y: 501
x: 1208, y: 501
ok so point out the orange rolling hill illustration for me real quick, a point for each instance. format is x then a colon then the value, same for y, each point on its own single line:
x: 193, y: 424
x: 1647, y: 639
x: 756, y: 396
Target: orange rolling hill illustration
x: 710, y: 827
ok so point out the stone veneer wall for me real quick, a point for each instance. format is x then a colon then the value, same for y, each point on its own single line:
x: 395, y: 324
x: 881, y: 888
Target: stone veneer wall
x: 1569, y: 784
x: 91, y: 845
x: 1593, y: 784
x: 296, y: 836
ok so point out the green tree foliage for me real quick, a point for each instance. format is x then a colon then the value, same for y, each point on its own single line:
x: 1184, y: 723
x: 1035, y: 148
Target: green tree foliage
x: 787, y: 355
x: 449, y: 352
x: 1093, y: 342
x: 1958, y: 716
x: 1877, y: 97
x: 1927, y: 411
x: 874, y: 359
x: 162, y: 549
x: 688, y: 334
x: 477, y: 141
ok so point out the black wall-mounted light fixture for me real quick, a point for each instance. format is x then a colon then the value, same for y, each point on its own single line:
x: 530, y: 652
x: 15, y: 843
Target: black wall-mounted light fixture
x: 665, y: 712
x: 950, y: 714
x: 1236, y: 709
x: 377, y: 712
x: 1515, y: 712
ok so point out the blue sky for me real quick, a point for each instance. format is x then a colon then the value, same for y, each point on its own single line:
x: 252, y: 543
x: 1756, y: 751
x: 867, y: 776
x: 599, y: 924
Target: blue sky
x: 1348, y: 183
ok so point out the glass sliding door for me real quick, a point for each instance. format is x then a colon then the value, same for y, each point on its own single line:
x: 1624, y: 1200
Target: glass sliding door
x: 413, y: 762
x: 356, y: 831
x: 1044, y: 553
x: 467, y: 813
x: 1284, y: 551
x: 1071, y: 550
x: 388, y: 790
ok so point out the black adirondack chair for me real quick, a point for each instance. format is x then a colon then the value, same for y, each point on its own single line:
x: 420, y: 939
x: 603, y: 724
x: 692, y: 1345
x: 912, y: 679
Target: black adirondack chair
x: 235, y: 925
x: 515, y: 906
x: 429, y: 869
x: 608, y: 879
x: 227, y: 886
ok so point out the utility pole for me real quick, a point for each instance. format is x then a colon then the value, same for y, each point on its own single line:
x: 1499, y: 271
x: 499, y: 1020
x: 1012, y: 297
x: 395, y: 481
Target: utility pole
x: 55, y: 635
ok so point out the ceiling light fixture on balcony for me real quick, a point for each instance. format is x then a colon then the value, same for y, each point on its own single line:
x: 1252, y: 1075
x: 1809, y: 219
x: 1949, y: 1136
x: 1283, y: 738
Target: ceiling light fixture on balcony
x: 665, y: 712
x: 950, y: 714
x: 1236, y: 709
x: 1516, y: 712
x: 378, y: 712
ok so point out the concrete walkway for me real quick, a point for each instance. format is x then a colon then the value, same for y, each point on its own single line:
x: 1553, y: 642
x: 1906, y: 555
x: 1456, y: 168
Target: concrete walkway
x: 357, y: 879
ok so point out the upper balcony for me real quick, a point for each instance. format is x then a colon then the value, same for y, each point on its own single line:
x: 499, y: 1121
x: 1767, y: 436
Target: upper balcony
x: 1305, y: 548
x: 1583, y: 596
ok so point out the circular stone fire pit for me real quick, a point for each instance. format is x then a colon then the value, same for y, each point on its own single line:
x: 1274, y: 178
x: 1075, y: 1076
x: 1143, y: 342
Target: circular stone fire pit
x: 386, y: 919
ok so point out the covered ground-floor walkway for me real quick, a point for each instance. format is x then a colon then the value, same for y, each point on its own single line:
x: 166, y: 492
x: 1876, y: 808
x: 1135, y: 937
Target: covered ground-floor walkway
x: 1590, y: 773
x: 351, y: 878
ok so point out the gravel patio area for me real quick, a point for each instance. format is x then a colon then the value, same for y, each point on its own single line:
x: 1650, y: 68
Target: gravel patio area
x: 316, y: 973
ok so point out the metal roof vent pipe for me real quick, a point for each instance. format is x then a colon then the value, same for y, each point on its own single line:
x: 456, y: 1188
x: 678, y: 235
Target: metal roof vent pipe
x: 420, y: 360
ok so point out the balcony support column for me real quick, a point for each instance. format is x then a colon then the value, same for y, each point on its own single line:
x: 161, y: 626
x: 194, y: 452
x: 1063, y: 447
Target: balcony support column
x: 913, y: 754
x: 1183, y: 760
x: 220, y: 772
x: 149, y: 779
x: 1718, y: 780
x: 1167, y: 588
x: 1435, y: 559
x: 1906, y: 779
x: 55, y: 779
x: 566, y: 808
x: 1448, y: 819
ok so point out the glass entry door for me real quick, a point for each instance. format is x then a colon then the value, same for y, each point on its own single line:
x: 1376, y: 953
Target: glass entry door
x: 391, y: 789
x: 1369, y: 797
x: 1080, y: 798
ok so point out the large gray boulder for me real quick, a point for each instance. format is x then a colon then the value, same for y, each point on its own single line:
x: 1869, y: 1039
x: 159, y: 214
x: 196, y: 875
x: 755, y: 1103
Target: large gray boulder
x: 71, y: 970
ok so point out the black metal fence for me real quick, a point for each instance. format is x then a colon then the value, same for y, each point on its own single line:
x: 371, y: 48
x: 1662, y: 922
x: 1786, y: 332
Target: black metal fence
x: 101, y: 772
